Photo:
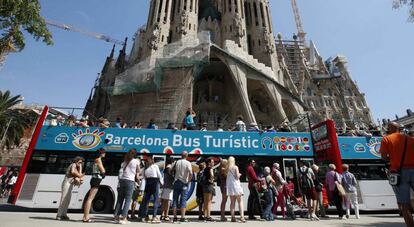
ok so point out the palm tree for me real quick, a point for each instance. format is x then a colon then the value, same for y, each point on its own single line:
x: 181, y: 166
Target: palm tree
x: 13, y: 122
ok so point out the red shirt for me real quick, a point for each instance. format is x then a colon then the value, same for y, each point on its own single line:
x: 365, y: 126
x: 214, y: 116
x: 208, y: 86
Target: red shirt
x: 251, y: 176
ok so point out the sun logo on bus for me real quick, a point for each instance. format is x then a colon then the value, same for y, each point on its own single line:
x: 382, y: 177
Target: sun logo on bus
x: 374, y: 146
x: 87, y: 140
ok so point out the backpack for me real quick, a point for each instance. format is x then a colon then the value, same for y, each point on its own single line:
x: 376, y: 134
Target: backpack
x: 305, y: 181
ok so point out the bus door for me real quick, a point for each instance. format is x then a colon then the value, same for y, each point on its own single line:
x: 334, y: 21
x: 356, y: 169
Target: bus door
x: 290, y: 167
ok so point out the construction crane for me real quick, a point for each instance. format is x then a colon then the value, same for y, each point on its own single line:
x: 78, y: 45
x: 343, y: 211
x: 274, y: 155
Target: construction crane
x: 298, y: 20
x: 88, y: 33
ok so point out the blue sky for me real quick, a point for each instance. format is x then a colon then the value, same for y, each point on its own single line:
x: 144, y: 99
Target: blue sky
x: 376, y: 39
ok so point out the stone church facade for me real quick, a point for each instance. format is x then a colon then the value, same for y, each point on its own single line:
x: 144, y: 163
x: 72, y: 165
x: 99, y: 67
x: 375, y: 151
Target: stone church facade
x: 221, y: 58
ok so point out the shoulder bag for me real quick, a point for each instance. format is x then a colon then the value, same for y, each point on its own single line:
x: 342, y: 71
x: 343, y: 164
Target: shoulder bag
x: 395, y: 178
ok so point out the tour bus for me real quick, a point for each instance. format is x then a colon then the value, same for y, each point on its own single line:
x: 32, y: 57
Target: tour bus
x: 53, y: 147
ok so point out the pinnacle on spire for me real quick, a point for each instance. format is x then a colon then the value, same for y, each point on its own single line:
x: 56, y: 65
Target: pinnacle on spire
x: 125, y: 44
x: 111, y: 56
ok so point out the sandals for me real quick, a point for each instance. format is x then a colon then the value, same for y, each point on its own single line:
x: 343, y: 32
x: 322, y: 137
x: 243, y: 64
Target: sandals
x: 242, y: 220
x: 87, y: 221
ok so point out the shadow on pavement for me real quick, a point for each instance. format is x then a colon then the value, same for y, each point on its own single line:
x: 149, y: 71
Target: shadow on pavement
x: 377, y: 224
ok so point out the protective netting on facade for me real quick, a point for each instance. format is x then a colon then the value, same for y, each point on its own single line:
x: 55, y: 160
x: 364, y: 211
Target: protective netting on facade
x: 146, y: 75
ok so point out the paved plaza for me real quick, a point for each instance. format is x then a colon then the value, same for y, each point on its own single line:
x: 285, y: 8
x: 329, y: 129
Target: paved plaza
x: 21, y: 219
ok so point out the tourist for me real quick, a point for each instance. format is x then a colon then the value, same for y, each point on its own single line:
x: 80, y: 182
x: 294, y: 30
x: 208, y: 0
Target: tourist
x: 349, y: 183
x: 182, y: 177
x: 11, y: 181
x: 223, y: 190
x: 220, y: 127
x: 83, y: 123
x: 240, y: 125
x: 208, y: 189
x: 171, y: 126
x: 320, y: 209
x: 199, y: 191
x: 269, y: 194
x: 118, y: 122
x: 189, y: 119
x: 138, y: 190
x: 253, y: 127
x: 138, y: 125
x: 152, y: 124
x: 153, y: 179
x: 332, y: 178
x: 167, y: 190
x: 71, y: 121
x: 284, y: 127
x: 271, y: 129
x: 234, y: 189
x: 73, y: 176
x: 128, y: 174
x: 279, y: 185
x: 253, y: 201
x: 98, y: 173
x: 397, y: 148
x: 204, y: 127
x: 307, y: 186
x: 103, y: 123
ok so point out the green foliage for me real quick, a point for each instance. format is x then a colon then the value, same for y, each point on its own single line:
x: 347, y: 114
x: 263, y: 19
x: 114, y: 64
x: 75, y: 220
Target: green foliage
x: 410, y: 3
x: 17, y: 16
x: 13, y: 122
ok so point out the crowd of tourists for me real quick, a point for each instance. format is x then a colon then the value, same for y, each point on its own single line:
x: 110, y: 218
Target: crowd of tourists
x: 268, y: 190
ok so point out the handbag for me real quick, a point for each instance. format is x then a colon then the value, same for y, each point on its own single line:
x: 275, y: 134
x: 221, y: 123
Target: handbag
x: 340, y: 189
x: 395, y: 178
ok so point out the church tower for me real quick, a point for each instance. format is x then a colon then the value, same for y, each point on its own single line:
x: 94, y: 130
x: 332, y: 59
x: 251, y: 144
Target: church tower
x: 233, y: 22
x: 184, y: 19
x: 157, y: 32
x: 260, y: 36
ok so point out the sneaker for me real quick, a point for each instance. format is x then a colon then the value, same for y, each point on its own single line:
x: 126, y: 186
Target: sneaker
x: 155, y: 221
x: 183, y: 220
x: 347, y: 216
x: 342, y: 218
x: 124, y: 222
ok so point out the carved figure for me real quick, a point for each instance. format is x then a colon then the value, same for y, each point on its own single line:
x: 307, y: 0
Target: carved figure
x: 183, y: 22
x: 269, y: 46
x: 154, y: 39
x: 238, y: 25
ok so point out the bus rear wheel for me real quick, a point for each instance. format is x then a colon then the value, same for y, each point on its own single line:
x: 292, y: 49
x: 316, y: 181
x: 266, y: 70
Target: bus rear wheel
x: 103, y: 202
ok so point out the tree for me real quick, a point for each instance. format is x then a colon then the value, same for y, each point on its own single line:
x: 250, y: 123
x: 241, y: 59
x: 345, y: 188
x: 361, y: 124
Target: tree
x: 410, y: 3
x: 17, y: 16
x: 13, y: 122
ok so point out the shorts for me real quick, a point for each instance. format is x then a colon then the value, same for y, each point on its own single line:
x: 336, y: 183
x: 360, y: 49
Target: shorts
x: 209, y: 189
x: 402, y: 191
x: 95, y: 182
x: 311, y: 194
x: 136, y: 194
x: 167, y: 194
x: 180, y: 195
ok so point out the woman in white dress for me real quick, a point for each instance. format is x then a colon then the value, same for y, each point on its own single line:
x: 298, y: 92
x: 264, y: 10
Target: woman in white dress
x: 234, y: 189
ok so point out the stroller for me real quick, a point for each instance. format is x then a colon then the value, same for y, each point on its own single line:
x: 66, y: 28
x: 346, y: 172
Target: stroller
x: 293, y: 204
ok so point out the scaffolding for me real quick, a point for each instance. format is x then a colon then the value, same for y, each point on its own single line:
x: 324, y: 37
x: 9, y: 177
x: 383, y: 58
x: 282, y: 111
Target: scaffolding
x: 146, y: 75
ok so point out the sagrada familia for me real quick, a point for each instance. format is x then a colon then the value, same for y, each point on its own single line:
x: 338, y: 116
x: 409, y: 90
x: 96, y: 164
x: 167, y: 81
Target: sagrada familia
x: 221, y: 58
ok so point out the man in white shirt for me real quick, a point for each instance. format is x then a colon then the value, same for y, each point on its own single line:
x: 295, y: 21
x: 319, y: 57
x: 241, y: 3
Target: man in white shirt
x: 183, y: 173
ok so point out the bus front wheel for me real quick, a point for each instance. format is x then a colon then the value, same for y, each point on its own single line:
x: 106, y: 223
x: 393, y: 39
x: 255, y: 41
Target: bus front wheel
x: 103, y: 202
